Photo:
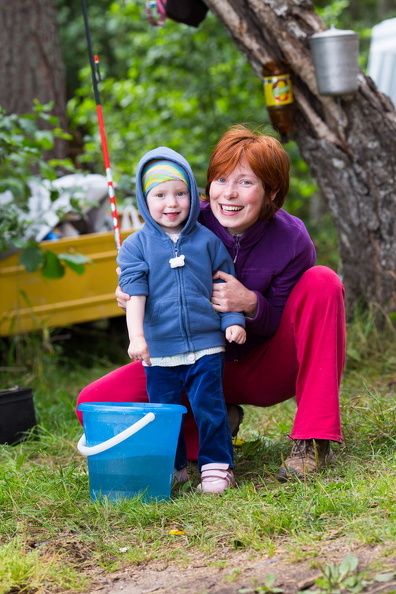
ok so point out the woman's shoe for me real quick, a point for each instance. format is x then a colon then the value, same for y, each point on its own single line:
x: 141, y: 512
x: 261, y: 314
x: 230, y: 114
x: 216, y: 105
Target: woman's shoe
x: 216, y: 478
x: 235, y: 417
x: 307, y: 457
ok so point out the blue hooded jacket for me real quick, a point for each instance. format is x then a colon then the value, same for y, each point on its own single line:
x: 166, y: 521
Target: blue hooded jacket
x: 179, y: 316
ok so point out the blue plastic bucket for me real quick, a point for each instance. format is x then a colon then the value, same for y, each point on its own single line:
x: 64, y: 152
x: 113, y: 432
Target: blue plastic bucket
x: 130, y: 448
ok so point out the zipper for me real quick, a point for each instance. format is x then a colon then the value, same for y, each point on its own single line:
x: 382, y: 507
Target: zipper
x: 183, y: 308
x: 237, y: 245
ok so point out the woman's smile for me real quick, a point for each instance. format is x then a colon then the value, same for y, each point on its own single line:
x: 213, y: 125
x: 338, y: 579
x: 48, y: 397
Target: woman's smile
x: 229, y: 208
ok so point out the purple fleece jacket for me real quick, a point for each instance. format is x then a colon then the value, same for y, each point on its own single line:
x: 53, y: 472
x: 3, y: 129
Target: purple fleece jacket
x: 269, y: 259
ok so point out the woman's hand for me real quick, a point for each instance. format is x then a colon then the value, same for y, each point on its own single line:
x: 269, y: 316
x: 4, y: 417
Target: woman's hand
x: 121, y: 297
x: 231, y: 295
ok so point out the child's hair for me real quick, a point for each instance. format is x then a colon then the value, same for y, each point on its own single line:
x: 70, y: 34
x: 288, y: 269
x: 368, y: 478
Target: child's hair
x: 265, y: 156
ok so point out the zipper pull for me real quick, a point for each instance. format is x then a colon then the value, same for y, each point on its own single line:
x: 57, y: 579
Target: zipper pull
x: 237, y: 246
x: 177, y: 261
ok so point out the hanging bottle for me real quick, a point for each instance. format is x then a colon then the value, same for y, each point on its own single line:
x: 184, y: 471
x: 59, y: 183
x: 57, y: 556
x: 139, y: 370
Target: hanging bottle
x: 278, y: 93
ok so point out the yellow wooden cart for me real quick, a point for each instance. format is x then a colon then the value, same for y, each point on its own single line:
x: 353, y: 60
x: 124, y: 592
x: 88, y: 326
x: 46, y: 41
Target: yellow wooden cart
x: 28, y: 301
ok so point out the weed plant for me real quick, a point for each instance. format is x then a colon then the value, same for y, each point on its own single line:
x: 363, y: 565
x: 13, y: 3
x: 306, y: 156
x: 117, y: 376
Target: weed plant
x: 54, y: 538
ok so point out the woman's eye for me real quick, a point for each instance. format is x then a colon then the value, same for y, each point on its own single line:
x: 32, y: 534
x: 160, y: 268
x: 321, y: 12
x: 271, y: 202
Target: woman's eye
x: 246, y: 182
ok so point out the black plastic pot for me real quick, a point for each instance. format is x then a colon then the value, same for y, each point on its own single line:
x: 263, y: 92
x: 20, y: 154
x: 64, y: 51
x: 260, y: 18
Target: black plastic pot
x: 17, y: 415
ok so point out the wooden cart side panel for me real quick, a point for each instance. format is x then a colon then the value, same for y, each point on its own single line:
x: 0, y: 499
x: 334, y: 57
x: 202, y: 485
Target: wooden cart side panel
x: 30, y: 302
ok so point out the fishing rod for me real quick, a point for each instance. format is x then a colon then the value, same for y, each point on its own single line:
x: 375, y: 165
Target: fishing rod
x: 94, y: 62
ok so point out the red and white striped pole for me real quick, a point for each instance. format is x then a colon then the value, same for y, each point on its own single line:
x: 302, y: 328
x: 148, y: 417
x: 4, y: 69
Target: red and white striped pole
x: 94, y: 61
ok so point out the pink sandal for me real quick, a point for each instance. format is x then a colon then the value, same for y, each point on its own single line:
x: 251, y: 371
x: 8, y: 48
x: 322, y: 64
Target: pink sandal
x: 216, y: 477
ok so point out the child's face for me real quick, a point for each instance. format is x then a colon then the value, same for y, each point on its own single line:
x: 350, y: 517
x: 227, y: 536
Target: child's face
x: 169, y: 205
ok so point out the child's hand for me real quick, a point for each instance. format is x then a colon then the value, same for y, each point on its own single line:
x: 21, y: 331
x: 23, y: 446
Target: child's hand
x: 138, y: 349
x: 236, y: 334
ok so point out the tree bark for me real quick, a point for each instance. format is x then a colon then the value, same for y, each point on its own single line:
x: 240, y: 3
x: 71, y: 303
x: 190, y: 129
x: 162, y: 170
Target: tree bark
x: 349, y: 144
x: 30, y: 60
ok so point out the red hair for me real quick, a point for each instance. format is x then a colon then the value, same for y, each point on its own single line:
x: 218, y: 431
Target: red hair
x: 266, y: 158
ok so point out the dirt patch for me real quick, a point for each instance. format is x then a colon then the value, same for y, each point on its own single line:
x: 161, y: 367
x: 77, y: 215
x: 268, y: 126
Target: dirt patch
x: 246, y: 572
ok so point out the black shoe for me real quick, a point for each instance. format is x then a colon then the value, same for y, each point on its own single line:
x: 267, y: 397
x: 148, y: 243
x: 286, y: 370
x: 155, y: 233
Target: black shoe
x: 235, y: 417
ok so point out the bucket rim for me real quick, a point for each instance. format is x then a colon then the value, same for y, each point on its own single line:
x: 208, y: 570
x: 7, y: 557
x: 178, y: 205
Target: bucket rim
x: 131, y: 407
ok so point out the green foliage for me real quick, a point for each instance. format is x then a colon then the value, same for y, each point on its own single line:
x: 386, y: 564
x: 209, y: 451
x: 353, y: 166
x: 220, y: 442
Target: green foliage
x: 172, y: 85
x: 340, y: 576
x: 20, y: 567
x: 346, y: 577
x: 370, y: 334
x: 331, y: 12
x: 23, y: 145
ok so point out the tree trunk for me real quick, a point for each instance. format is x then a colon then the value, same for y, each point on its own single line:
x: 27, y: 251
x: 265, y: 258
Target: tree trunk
x: 30, y: 60
x: 350, y: 145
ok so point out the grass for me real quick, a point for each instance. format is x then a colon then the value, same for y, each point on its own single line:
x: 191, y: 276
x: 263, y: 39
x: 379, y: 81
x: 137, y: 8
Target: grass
x: 55, y: 539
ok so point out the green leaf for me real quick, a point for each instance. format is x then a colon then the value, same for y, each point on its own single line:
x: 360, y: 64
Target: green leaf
x: 354, y: 354
x: 270, y: 580
x: 45, y: 137
x: 47, y: 172
x: 385, y: 577
x: 40, y: 107
x: 78, y: 268
x: 250, y: 448
x: 349, y: 564
x: 31, y: 258
x: 75, y: 262
x: 52, y: 267
x: 75, y: 204
x: 75, y: 258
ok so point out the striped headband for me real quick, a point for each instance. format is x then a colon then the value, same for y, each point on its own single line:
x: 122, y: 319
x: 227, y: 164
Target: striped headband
x: 157, y: 172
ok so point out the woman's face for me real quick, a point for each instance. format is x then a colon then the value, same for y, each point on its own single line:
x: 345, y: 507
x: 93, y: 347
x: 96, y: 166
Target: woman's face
x: 236, y: 199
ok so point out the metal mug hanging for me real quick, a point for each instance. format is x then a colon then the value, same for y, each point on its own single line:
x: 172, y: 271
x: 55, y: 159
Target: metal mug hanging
x: 335, y: 57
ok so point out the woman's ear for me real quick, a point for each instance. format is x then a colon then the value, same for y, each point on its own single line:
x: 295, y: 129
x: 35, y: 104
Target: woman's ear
x: 274, y: 195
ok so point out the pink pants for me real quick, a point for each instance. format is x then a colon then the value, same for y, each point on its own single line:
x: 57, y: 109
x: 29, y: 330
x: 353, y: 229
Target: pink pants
x: 304, y: 359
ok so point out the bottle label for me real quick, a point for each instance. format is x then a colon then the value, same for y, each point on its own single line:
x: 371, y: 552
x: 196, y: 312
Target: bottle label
x: 278, y: 90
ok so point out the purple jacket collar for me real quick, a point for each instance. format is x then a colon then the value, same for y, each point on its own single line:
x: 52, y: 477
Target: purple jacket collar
x: 247, y: 239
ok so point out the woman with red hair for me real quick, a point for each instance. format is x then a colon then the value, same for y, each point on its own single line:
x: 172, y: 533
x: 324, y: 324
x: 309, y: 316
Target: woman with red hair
x: 294, y: 310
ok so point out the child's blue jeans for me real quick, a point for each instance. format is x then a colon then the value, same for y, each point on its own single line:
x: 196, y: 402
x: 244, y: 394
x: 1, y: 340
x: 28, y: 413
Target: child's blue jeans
x: 203, y: 383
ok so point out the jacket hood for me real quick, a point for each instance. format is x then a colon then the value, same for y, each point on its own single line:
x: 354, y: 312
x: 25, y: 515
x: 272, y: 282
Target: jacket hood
x: 169, y: 154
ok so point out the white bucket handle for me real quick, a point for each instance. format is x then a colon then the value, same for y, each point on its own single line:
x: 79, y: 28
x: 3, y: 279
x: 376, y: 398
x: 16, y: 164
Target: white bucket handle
x: 113, y: 441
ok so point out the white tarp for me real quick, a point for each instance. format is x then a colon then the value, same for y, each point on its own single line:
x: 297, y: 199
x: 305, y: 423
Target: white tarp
x: 382, y: 57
